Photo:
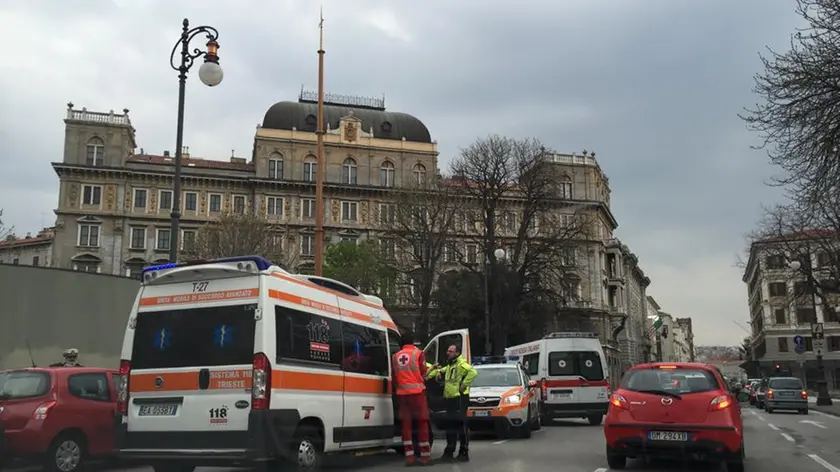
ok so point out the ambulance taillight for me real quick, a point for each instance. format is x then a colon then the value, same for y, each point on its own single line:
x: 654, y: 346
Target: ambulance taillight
x: 543, y: 389
x: 261, y: 383
x: 122, y: 388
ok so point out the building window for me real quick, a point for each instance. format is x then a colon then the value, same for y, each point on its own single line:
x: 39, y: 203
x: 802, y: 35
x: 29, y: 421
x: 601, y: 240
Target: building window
x: 274, y: 206
x: 162, y: 239
x: 388, y: 248
x: 775, y: 262
x: 89, y: 235
x: 569, y: 257
x: 310, y: 168
x: 238, y: 204
x: 140, y: 199
x: 830, y: 316
x: 386, y: 174
x: 806, y: 316
x: 778, y: 289
x: 215, y: 203
x: 472, y: 254
x: 275, y: 166
x: 92, y: 195
x: 566, y: 187
x: 450, y: 252
x: 307, y: 208
x: 349, y: 171
x: 138, y: 238
x: 190, y: 201
x: 387, y: 213
x: 783, y: 344
x: 349, y: 211
x: 165, y: 200
x: 36, y: 261
x: 779, y: 315
x: 809, y: 343
x: 187, y: 239
x: 95, y: 152
x: 823, y: 259
x: 307, y: 245
x: 15, y: 261
x: 349, y: 240
x: 419, y: 174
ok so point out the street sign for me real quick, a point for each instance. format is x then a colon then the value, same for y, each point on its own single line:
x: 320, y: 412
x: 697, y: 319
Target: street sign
x: 799, y: 341
x: 819, y: 346
x: 799, y: 348
x: 817, y: 331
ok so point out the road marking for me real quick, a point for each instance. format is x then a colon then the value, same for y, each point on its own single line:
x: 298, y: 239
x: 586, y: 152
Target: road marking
x: 540, y: 431
x: 753, y: 412
x: 601, y: 469
x: 501, y: 442
x: 789, y: 438
x: 815, y: 423
x: 819, y: 460
x: 773, y: 427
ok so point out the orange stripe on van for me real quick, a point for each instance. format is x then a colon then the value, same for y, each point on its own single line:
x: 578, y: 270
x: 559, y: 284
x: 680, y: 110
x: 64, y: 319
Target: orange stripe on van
x: 309, y: 284
x: 239, y: 379
x: 297, y: 300
x: 233, y: 379
x: 200, y: 297
x: 287, y: 380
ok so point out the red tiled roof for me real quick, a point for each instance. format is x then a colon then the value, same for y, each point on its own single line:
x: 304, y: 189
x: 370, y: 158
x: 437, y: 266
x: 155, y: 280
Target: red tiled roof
x: 25, y: 241
x: 191, y: 162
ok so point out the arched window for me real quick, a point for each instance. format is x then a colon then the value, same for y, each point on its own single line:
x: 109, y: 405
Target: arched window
x: 419, y: 174
x: 95, y: 152
x: 386, y: 174
x: 566, y: 187
x: 275, y: 166
x: 349, y: 171
x: 310, y: 167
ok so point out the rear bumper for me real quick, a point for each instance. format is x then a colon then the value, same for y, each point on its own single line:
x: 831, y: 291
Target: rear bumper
x: 783, y: 404
x: 574, y: 410
x: 705, y: 442
x: 269, y: 437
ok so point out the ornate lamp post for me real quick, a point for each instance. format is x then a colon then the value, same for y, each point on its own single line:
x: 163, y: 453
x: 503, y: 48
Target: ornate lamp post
x: 210, y: 73
x: 500, y: 254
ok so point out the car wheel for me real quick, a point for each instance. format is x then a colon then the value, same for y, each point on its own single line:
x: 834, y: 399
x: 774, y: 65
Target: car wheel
x: 65, y: 454
x: 616, y: 462
x: 804, y: 412
x: 769, y: 410
x: 737, y: 465
x: 173, y: 467
x: 595, y: 420
x: 536, y: 423
x: 307, y: 451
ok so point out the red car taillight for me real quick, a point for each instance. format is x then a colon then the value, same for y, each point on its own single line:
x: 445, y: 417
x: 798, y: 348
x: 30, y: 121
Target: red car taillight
x: 261, y: 383
x: 43, y: 410
x: 770, y: 394
x: 720, y: 403
x: 804, y: 394
x: 122, y: 388
x: 619, y: 401
x: 543, y: 389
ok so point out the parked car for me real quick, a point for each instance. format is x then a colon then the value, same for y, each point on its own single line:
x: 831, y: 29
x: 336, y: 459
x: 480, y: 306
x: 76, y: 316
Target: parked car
x: 786, y: 393
x: 59, y: 417
x: 680, y: 410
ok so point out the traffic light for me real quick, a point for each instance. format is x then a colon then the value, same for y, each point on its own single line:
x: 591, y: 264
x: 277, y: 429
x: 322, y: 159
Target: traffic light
x: 777, y: 367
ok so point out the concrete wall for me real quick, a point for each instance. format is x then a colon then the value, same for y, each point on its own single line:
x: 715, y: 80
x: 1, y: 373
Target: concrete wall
x: 57, y: 309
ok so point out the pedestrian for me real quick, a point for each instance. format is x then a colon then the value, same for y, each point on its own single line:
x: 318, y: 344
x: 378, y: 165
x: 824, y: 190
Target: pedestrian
x: 71, y: 359
x: 410, y: 371
x: 458, y: 374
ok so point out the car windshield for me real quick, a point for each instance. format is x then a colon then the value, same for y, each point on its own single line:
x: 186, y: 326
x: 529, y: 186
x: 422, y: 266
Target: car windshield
x: 676, y: 381
x: 23, y: 384
x: 785, y: 384
x: 497, y: 377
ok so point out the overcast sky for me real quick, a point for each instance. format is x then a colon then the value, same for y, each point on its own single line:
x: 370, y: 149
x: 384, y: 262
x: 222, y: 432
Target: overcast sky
x: 653, y: 86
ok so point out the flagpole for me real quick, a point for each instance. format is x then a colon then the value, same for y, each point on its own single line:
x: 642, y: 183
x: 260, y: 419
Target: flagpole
x: 319, y: 169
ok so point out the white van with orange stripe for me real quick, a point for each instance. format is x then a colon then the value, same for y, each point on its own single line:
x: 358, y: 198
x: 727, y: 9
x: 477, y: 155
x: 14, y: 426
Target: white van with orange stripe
x: 236, y: 361
x: 572, y: 372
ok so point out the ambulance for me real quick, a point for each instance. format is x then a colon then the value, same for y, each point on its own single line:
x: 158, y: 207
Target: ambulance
x: 236, y: 362
x: 572, y: 372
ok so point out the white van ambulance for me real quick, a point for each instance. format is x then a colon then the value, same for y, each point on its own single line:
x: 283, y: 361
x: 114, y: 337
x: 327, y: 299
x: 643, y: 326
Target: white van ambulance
x: 236, y: 361
x: 572, y: 372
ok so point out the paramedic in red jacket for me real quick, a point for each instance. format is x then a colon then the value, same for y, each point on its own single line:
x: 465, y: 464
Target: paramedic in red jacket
x: 409, y: 365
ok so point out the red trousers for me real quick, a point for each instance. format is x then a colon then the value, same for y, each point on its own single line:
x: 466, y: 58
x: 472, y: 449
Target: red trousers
x: 414, y: 408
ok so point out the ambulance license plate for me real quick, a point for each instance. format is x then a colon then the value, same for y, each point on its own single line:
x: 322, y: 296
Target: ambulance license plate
x: 481, y: 414
x: 157, y: 410
x: 668, y: 436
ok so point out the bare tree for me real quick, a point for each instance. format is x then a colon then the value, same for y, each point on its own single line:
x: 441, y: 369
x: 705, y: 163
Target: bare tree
x: 6, y: 232
x: 415, y: 229
x: 514, y: 201
x: 243, y: 235
x: 798, y: 118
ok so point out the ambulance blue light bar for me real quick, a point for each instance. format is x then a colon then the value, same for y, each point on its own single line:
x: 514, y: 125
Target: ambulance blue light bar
x: 489, y: 360
x: 570, y: 334
x: 261, y: 263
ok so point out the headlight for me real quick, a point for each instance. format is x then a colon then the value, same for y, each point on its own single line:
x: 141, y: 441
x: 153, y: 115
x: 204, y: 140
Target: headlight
x: 513, y: 399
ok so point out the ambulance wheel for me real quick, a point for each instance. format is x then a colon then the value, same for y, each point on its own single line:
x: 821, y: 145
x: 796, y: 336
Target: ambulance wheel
x: 307, y: 450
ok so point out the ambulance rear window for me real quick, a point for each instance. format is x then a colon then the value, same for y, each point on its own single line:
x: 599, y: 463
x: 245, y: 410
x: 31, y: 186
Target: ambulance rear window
x: 586, y: 364
x: 194, y: 337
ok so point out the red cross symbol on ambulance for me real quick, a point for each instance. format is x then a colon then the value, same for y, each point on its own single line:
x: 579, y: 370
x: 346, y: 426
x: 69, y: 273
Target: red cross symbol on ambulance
x: 403, y: 360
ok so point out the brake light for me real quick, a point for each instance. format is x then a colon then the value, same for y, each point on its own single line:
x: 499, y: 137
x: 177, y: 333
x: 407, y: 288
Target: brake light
x: 804, y: 394
x: 770, y: 394
x: 720, y: 403
x: 543, y: 389
x: 122, y: 388
x: 668, y: 367
x: 619, y: 401
x: 43, y: 410
x: 261, y: 382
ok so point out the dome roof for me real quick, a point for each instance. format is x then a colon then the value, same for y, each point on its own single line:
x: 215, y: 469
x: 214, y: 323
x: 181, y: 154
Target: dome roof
x: 386, y: 125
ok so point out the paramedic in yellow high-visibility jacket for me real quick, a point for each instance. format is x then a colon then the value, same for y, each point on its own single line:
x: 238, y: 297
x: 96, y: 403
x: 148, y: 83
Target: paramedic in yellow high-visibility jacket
x: 458, y: 375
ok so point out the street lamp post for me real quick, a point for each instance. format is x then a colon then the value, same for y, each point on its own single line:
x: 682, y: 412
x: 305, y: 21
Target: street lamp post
x: 500, y: 254
x: 823, y: 398
x: 210, y: 73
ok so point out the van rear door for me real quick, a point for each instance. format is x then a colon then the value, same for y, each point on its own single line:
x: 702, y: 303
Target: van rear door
x: 191, y: 358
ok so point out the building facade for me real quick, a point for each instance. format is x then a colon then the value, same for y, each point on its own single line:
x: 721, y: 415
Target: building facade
x: 625, y: 287
x: 28, y: 250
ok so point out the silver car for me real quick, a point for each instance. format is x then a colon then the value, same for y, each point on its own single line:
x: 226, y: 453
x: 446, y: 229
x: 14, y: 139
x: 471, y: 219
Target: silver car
x: 785, y: 393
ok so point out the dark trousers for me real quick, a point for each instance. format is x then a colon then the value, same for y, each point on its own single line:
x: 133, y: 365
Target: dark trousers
x: 456, y: 424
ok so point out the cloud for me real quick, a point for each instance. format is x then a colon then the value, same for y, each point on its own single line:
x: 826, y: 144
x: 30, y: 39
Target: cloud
x: 652, y: 86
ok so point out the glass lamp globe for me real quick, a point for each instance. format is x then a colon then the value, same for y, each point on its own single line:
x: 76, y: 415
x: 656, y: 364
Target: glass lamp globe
x: 499, y: 253
x: 795, y: 265
x: 210, y: 74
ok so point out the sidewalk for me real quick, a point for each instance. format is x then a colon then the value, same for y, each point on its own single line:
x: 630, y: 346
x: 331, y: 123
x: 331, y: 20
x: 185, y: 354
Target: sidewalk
x: 833, y: 410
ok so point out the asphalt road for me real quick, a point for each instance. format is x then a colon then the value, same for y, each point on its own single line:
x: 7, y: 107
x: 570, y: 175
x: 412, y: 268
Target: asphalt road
x: 782, y: 442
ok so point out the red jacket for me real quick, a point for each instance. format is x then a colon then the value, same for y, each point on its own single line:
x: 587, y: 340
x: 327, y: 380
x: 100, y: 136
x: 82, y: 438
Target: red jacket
x: 409, y: 366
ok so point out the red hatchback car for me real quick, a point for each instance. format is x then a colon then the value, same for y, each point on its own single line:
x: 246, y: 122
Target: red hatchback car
x: 679, y: 410
x: 59, y: 416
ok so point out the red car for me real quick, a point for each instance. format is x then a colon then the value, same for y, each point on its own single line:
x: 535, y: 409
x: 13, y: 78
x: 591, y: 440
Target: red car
x: 679, y: 410
x: 58, y: 416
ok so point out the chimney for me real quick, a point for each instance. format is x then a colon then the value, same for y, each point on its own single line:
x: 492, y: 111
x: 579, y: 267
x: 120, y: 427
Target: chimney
x: 185, y: 152
x: 165, y: 153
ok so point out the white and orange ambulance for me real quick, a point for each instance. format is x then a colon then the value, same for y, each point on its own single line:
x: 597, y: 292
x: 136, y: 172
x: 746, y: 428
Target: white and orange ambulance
x: 236, y: 361
x: 572, y: 375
